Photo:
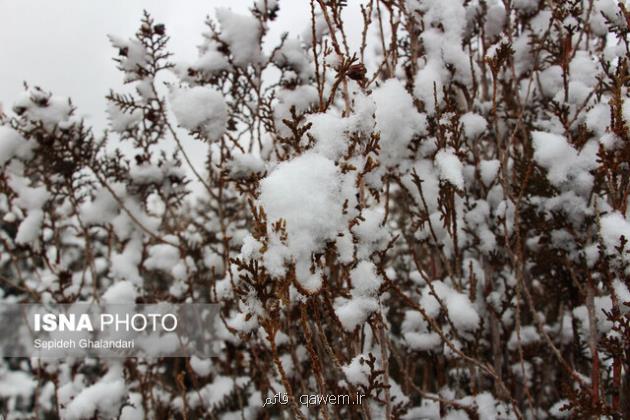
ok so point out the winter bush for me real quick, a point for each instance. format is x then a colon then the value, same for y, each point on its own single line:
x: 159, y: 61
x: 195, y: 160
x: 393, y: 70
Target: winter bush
x: 437, y: 220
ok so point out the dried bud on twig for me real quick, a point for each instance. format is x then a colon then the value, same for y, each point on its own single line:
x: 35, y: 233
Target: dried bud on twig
x: 356, y: 72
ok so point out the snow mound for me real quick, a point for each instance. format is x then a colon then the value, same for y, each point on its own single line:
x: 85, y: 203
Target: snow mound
x: 200, y: 108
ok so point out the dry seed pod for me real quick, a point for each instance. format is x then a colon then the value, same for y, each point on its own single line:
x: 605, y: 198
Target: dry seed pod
x: 356, y: 72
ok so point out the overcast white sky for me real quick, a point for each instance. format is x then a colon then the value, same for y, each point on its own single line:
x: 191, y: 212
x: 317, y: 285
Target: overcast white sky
x: 61, y: 45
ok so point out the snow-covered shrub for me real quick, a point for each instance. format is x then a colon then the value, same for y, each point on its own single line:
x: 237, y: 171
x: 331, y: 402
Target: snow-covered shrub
x: 436, y: 218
